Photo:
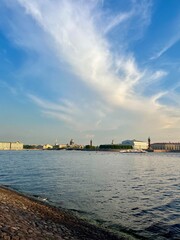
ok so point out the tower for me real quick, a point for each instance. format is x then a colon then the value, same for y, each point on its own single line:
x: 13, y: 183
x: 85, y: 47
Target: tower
x: 149, y: 143
x: 71, y: 142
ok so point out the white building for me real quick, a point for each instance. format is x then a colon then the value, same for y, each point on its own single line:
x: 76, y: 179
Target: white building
x: 11, y: 146
x: 135, y: 144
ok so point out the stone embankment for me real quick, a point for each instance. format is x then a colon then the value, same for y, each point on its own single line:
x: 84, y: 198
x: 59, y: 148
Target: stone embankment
x: 22, y: 218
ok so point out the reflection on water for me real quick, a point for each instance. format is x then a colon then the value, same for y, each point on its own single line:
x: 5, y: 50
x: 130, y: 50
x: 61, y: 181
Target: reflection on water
x: 136, y: 193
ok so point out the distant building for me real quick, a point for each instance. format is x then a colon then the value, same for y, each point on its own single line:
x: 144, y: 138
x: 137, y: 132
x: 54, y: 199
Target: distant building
x: 62, y: 146
x: 135, y: 144
x: 149, y: 143
x: 166, y: 146
x: 11, y: 146
x: 40, y: 147
x: 47, y: 146
x: 71, y: 142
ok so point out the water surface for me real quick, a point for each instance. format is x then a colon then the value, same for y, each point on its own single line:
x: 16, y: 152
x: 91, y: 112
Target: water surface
x: 134, y: 193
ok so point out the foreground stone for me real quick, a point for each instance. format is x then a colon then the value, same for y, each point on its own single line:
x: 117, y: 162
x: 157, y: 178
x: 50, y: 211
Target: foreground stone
x: 24, y: 218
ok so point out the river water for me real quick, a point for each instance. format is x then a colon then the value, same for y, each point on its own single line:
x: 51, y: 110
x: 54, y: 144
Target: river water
x: 137, y: 194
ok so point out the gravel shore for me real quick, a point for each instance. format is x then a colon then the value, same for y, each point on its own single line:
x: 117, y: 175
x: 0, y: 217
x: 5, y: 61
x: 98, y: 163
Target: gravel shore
x: 22, y: 218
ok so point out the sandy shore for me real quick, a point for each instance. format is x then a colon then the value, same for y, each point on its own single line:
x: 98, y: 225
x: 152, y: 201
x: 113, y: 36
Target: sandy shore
x: 22, y: 217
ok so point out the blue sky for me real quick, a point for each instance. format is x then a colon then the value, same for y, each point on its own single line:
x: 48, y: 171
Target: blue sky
x: 89, y: 69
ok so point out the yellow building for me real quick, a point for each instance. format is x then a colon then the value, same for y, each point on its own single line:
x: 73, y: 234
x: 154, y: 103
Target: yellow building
x: 62, y: 146
x: 11, y: 146
x: 47, y: 146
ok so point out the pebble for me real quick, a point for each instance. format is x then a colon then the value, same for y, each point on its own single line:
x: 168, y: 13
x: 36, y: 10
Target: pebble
x: 22, y: 218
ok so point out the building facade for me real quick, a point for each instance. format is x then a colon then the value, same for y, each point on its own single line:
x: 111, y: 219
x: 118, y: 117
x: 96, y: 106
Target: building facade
x: 62, y: 146
x: 138, y: 145
x: 166, y: 147
x: 11, y: 146
x: 47, y: 146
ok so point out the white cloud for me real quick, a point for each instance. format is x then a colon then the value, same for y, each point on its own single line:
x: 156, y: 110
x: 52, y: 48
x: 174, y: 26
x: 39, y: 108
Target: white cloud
x: 79, y: 40
x: 73, y: 115
x: 115, y: 21
x: 156, y: 97
x: 159, y: 74
x: 63, y: 105
x: 86, y: 50
x: 80, y: 43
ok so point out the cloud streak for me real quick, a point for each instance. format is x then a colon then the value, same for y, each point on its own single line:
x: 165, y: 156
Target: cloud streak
x: 81, y: 44
x: 171, y: 38
x: 76, y: 33
x: 169, y: 45
x: 115, y: 21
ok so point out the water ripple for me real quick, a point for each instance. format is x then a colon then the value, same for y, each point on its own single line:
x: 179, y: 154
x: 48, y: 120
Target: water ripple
x: 133, y: 194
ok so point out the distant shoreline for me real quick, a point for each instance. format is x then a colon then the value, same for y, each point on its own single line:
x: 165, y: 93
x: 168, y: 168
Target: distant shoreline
x: 103, y: 150
x: 93, y: 150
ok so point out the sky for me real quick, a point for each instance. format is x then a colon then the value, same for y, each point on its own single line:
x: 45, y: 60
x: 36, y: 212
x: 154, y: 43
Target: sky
x: 89, y: 69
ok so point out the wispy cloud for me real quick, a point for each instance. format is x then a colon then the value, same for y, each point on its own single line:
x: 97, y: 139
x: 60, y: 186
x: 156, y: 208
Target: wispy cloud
x: 115, y: 21
x: 165, y: 48
x: 139, y: 13
x: 79, y: 39
x: 159, y: 74
x: 81, y: 44
x: 73, y: 115
x: 63, y: 110
x: 13, y: 90
x: 171, y: 38
x: 63, y: 105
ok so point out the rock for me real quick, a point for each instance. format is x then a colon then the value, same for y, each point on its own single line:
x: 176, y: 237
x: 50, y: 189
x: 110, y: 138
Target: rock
x: 23, y: 218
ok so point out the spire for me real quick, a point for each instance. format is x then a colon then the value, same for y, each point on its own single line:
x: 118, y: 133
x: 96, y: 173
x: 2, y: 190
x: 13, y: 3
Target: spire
x: 149, y: 143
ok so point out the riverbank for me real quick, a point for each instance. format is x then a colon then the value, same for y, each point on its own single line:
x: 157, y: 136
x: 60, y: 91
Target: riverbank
x: 23, y: 217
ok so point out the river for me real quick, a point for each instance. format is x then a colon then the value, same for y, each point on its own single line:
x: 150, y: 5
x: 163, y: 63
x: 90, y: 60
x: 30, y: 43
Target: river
x: 133, y: 193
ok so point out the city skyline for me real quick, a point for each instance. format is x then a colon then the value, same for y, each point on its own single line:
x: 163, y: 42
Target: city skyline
x: 95, y: 69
